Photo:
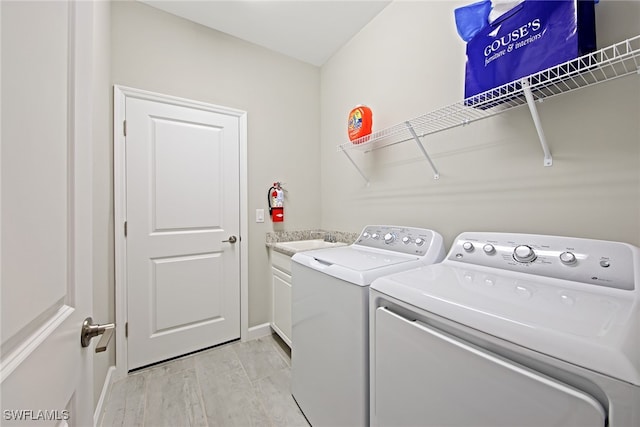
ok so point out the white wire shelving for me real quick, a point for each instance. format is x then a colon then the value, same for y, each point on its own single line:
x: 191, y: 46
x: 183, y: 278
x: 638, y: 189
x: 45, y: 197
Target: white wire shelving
x: 618, y: 60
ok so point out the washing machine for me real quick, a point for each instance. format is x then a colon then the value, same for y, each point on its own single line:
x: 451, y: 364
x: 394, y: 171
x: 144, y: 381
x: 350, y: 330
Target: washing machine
x: 330, y: 315
x: 510, y: 330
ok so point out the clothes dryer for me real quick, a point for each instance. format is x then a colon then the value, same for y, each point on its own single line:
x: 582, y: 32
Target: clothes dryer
x: 511, y: 329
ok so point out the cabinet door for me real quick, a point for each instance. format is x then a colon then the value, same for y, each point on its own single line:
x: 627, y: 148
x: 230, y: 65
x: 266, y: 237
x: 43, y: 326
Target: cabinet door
x: 423, y: 374
x: 281, y: 319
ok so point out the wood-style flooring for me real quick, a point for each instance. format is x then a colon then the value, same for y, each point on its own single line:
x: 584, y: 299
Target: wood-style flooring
x: 236, y: 384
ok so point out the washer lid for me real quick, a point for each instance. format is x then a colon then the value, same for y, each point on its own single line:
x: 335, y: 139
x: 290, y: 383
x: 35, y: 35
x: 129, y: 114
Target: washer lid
x: 359, y: 259
x: 359, y: 266
x: 590, y: 326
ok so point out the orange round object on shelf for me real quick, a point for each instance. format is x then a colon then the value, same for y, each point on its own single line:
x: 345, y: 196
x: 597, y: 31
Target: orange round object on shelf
x: 360, y: 122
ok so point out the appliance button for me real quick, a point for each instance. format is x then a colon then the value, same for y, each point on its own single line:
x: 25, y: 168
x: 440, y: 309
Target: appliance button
x: 605, y: 263
x: 524, y: 253
x: 467, y: 246
x: 375, y: 236
x: 568, y: 258
x: 406, y: 240
x: 419, y: 241
x: 523, y: 291
x: 489, y: 249
x: 389, y: 238
x: 366, y: 235
x: 566, y: 299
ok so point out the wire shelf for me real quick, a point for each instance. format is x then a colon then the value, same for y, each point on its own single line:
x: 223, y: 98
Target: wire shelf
x: 606, y: 64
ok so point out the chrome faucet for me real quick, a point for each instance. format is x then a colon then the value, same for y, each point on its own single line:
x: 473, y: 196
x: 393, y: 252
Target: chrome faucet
x: 328, y: 237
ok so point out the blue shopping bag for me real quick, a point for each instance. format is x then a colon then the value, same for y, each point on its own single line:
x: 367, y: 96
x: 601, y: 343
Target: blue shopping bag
x: 533, y: 36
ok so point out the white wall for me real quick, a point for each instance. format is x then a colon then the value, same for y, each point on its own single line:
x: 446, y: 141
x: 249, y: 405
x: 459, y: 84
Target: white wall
x: 156, y: 51
x: 408, y: 61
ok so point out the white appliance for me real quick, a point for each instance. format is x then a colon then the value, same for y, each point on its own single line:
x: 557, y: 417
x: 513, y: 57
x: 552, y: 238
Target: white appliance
x: 330, y: 314
x: 510, y: 330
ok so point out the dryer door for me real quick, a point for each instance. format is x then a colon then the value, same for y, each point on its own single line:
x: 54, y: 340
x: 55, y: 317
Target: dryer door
x: 425, y: 377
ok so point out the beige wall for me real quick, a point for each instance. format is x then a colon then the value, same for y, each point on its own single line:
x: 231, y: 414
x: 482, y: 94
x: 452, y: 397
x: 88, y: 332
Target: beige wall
x: 408, y: 61
x: 155, y: 51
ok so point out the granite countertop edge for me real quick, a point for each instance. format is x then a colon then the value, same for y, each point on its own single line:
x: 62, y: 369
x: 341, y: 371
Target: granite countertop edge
x: 272, y: 238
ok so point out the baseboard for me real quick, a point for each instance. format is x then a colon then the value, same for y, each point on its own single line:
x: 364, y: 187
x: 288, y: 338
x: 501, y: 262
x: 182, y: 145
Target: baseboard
x: 106, y: 387
x: 259, y: 331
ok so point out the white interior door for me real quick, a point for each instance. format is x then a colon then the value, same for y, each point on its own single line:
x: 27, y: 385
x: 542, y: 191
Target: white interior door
x: 46, y: 376
x: 182, y: 203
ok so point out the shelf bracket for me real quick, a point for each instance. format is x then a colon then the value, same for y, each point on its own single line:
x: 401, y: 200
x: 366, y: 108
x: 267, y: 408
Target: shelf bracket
x: 436, y: 174
x: 548, y: 161
x: 357, y: 168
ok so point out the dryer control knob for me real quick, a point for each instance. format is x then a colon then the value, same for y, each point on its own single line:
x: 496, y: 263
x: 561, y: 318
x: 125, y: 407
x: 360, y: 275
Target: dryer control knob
x: 524, y: 253
x: 366, y: 235
x: 568, y: 258
x: 489, y: 249
x: 375, y: 236
x: 406, y: 240
x: 419, y: 241
x: 389, y: 238
x: 467, y: 246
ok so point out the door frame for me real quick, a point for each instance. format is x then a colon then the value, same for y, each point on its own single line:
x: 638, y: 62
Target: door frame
x: 120, y: 95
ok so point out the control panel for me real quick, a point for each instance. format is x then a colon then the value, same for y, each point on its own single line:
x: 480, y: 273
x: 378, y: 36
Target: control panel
x: 408, y: 240
x: 595, y: 262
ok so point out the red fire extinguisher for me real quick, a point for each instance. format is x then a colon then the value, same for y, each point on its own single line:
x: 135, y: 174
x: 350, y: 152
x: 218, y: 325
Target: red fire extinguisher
x: 276, y: 202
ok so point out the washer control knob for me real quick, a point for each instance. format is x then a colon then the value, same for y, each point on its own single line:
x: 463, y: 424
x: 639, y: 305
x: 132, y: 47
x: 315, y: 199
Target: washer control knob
x: 489, y: 249
x: 406, y: 240
x: 419, y: 241
x: 375, y: 236
x: 389, y: 238
x: 524, y: 253
x: 467, y: 246
x: 366, y: 235
x: 568, y: 258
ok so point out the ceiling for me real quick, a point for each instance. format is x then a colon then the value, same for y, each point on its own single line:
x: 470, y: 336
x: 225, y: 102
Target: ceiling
x: 309, y: 30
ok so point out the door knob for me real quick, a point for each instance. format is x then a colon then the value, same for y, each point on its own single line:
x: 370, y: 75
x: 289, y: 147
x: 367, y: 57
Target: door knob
x: 90, y: 330
x: 231, y: 239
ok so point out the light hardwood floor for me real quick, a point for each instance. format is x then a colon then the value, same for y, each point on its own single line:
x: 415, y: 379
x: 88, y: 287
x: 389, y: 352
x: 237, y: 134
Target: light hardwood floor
x: 236, y: 384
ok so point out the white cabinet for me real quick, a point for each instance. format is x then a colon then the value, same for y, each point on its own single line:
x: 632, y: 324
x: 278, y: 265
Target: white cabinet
x: 281, y: 295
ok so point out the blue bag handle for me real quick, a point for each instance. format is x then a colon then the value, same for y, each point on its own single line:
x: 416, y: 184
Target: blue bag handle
x: 471, y: 19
